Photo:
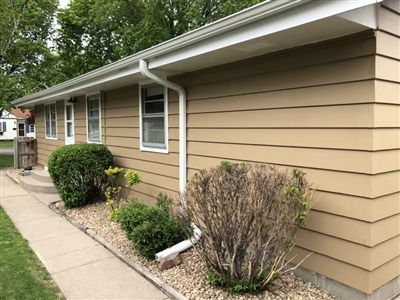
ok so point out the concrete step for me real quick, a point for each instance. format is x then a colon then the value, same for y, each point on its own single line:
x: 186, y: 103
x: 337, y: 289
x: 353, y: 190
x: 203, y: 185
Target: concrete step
x: 31, y: 184
x: 41, y: 175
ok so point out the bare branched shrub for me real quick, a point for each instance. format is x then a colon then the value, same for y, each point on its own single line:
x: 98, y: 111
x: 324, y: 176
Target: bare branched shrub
x: 248, y: 214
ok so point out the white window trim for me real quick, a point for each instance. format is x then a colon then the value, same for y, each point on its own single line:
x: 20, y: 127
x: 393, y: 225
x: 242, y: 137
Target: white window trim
x: 34, y: 128
x: 147, y: 148
x: 100, y: 118
x: 45, y: 126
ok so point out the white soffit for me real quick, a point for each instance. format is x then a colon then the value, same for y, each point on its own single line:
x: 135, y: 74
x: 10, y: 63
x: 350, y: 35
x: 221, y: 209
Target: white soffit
x: 312, y: 22
x: 366, y: 16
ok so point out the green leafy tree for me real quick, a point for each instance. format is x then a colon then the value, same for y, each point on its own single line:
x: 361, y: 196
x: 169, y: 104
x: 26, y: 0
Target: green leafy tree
x: 94, y: 33
x: 166, y: 19
x: 26, y: 61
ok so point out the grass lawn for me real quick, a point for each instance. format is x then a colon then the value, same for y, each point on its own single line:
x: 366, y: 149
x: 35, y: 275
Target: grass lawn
x: 21, y: 272
x: 6, y: 161
x: 6, y: 144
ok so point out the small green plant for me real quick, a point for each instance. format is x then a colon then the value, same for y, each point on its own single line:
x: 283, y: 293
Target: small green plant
x: 242, y: 285
x: 150, y: 228
x: 113, y: 191
x: 157, y: 233
x: 164, y: 202
x: 78, y: 174
x: 132, y: 214
x: 132, y: 178
x: 214, y: 279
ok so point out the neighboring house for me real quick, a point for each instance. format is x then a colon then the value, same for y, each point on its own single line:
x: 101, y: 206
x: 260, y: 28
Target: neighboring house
x: 8, y: 126
x: 308, y: 84
x: 24, y: 127
x: 14, y: 124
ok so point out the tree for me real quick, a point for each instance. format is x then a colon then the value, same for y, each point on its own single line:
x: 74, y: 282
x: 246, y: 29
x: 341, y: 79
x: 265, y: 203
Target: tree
x: 166, y: 19
x: 26, y: 62
x: 94, y: 33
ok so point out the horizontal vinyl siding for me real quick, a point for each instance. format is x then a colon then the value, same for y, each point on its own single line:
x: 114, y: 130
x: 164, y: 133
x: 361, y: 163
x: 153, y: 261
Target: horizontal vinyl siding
x: 388, y: 113
x: 338, y: 270
x: 159, y: 172
x: 321, y: 115
x: 46, y: 146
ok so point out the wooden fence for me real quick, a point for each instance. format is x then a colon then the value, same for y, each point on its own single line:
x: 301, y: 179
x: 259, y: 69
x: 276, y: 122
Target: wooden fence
x: 25, y: 152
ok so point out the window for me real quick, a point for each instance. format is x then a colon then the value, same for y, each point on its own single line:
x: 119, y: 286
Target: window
x: 153, y: 110
x: 93, y: 118
x: 21, y: 129
x: 50, y: 113
x: 32, y: 128
x: 3, y: 126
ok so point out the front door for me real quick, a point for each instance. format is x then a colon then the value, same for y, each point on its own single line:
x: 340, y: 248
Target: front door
x: 69, y: 124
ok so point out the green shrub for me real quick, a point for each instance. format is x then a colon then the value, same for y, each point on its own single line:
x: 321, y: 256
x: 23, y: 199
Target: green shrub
x: 132, y: 214
x: 78, y: 174
x: 248, y: 215
x: 132, y: 178
x: 113, y: 189
x: 150, y: 228
x: 157, y: 233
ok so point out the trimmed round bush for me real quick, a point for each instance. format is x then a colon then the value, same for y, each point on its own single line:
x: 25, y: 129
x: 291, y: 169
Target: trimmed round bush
x: 78, y: 174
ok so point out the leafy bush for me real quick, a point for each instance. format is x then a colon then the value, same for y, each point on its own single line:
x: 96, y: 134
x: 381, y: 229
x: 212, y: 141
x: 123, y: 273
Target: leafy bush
x: 132, y: 178
x: 77, y: 172
x: 132, y: 214
x: 150, y: 228
x: 113, y: 190
x: 248, y: 215
x: 156, y: 233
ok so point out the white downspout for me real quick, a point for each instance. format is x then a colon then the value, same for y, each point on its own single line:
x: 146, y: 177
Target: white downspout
x: 143, y: 65
x: 186, y: 244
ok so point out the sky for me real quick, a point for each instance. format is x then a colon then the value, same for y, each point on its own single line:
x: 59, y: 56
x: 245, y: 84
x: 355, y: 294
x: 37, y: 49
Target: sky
x: 63, y: 3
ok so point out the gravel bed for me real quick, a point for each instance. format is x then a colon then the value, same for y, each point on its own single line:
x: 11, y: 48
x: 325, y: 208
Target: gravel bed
x: 188, y: 277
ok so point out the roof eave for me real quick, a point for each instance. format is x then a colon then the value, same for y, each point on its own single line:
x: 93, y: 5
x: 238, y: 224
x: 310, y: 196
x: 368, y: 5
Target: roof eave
x: 129, y: 65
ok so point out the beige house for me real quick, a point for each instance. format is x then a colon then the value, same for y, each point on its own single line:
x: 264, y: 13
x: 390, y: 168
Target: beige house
x: 308, y: 84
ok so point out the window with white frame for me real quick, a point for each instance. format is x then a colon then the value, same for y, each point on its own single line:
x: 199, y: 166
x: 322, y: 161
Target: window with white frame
x: 153, y: 117
x: 50, y: 115
x: 32, y: 128
x: 93, y: 108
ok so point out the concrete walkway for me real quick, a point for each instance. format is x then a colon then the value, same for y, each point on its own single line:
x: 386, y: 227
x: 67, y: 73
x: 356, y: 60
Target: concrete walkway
x: 81, y: 267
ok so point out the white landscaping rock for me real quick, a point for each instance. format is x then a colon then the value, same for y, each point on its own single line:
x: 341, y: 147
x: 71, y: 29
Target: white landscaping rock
x: 188, y: 277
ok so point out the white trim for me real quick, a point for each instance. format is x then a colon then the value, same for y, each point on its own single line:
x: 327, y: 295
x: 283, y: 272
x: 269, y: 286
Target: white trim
x: 34, y: 128
x: 45, y: 126
x: 166, y: 126
x: 260, y: 20
x: 66, y: 103
x: 87, y: 118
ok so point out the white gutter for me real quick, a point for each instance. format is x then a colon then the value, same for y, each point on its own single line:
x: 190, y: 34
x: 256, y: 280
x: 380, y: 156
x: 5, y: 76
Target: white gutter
x: 314, y: 10
x: 143, y: 66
